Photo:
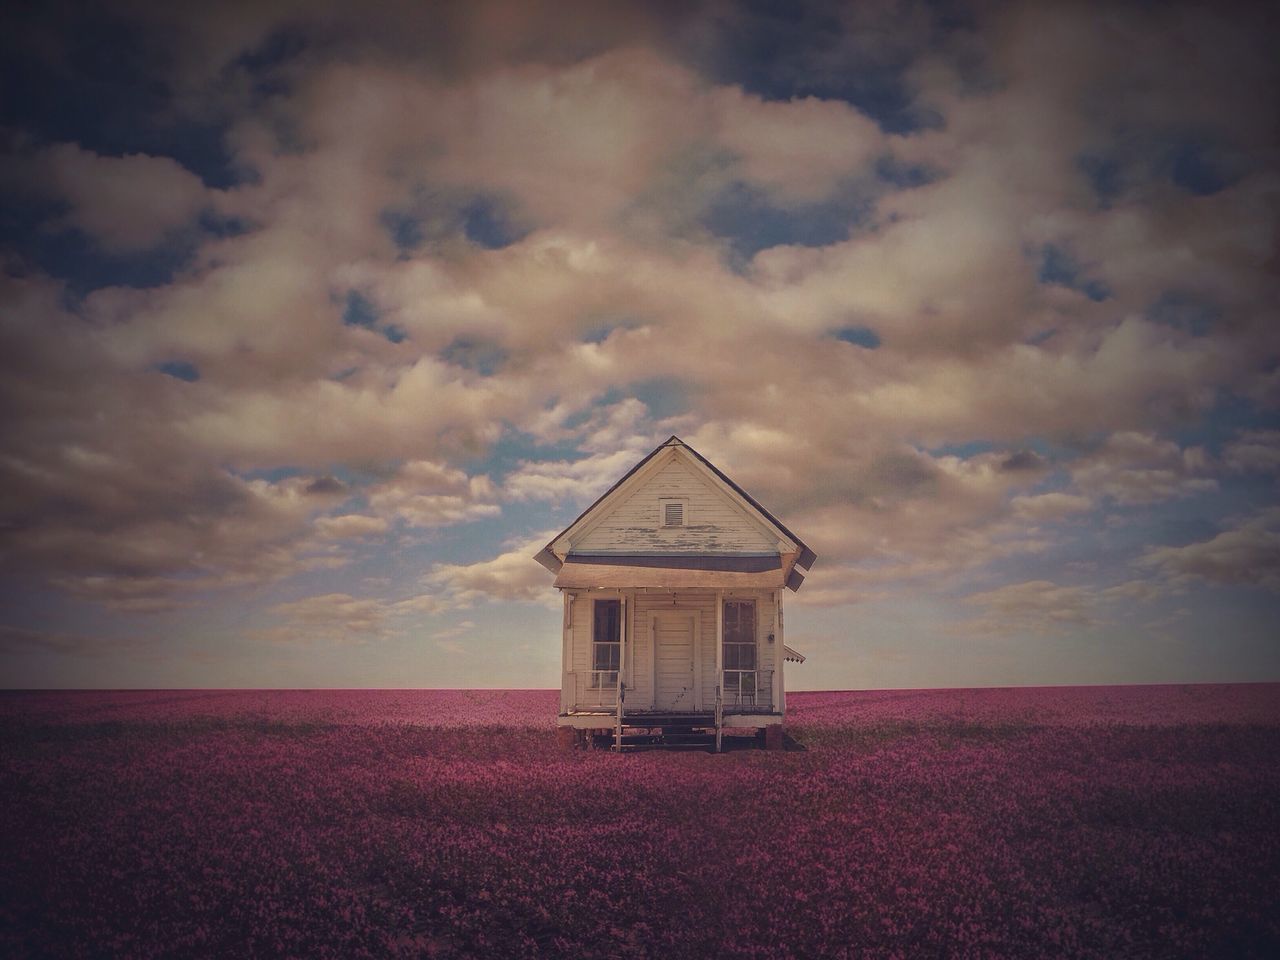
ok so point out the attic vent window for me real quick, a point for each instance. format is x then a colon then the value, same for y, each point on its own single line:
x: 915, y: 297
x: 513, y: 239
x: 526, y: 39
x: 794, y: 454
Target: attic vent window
x: 673, y: 513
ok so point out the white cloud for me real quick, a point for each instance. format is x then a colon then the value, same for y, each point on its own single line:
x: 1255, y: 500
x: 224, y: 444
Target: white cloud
x: 340, y: 618
x: 350, y: 526
x: 605, y: 145
x: 127, y: 203
x: 800, y: 148
x: 1246, y: 553
x: 1254, y: 451
x: 428, y: 494
x: 1033, y: 606
x: 1138, y: 468
x: 511, y: 576
x: 1049, y: 507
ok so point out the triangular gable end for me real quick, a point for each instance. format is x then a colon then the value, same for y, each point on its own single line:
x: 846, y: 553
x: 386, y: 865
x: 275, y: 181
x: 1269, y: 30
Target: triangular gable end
x: 625, y: 511
x: 675, y: 476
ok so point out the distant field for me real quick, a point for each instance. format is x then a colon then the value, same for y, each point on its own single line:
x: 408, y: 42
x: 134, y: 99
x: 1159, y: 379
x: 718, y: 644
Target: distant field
x: 1101, y: 822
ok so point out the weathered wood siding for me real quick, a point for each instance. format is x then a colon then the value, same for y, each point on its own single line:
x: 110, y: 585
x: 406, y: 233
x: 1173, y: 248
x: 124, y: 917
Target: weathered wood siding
x: 715, y: 524
x: 579, y: 664
x: 705, y: 603
x: 639, y: 647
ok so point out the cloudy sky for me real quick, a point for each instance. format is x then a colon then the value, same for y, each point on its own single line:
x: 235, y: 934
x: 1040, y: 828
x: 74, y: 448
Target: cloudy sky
x: 317, y: 321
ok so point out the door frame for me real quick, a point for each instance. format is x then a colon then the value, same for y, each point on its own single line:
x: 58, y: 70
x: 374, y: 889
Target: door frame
x: 696, y: 653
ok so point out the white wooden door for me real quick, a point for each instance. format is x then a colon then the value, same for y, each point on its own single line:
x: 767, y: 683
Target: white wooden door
x: 675, y: 642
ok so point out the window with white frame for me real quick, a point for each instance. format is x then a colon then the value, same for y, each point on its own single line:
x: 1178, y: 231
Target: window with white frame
x: 673, y: 512
x: 606, y: 642
x: 740, y: 651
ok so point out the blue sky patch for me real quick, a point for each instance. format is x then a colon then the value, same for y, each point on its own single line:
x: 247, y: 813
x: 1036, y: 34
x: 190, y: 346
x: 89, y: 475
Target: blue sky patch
x: 180, y: 370
x: 962, y: 450
x: 1184, y: 311
x: 1194, y: 169
x: 1105, y: 175
x: 1059, y: 267
x: 436, y: 216
x: 863, y: 337
x: 74, y: 258
x: 904, y: 176
x: 1230, y: 414
x: 404, y: 229
x: 487, y: 223
x: 360, y: 311
x: 262, y: 63
x: 601, y: 330
x: 664, y: 396
x: 1195, y: 165
x: 791, y: 50
x: 224, y: 227
x: 471, y: 353
x: 125, y: 62
x: 515, y: 448
x: 746, y: 218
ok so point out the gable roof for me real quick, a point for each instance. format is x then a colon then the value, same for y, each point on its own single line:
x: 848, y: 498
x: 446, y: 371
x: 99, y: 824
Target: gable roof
x: 806, y: 557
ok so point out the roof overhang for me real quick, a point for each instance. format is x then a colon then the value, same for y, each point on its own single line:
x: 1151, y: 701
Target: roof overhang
x: 794, y: 656
x: 612, y: 576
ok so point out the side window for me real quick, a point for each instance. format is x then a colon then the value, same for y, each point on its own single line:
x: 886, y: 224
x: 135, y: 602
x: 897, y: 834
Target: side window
x: 740, y: 635
x: 606, y: 641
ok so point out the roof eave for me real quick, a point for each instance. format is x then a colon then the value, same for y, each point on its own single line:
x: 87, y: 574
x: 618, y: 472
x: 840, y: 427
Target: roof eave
x: 548, y: 559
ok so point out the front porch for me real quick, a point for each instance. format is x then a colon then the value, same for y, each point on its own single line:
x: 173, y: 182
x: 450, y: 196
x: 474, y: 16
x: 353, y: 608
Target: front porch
x: 626, y: 731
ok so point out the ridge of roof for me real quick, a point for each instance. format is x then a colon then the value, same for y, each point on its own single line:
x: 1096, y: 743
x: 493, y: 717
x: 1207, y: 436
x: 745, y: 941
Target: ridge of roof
x: 548, y: 559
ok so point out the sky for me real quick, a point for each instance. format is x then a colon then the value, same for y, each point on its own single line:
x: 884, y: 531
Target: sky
x: 319, y: 319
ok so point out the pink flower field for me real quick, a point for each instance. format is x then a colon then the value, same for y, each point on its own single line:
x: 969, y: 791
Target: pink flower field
x: 1077, y: 822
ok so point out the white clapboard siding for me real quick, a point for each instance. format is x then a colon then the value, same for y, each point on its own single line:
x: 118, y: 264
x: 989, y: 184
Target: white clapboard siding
x: 637, y: 653
x: 714, y: 522
x: 646, y: 604
x: 639, y: 649
x: 581, y: 652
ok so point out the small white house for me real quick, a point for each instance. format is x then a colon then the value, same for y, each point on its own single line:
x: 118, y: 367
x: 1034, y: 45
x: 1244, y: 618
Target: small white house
x: 673, y: 583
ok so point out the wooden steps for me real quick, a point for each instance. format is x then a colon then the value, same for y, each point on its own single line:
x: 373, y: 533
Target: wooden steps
x: 653, y: 720
x: 664, y: 730
x: 673, y: 738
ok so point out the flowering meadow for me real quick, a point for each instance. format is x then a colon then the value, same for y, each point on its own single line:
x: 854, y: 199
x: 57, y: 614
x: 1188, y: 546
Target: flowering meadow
x: 1078, y: 822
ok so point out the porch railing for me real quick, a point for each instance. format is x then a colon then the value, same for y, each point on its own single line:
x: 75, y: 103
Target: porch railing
x: 599, y: 688
x: 748, y: 690
x: 743, y: 691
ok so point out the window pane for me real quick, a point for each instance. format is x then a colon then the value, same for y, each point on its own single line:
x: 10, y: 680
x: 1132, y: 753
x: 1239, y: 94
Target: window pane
x: 747, y: 656
x: 608, y: 620
x: 740, y: 621
x: 606, y: 656
x: 730, y: 656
